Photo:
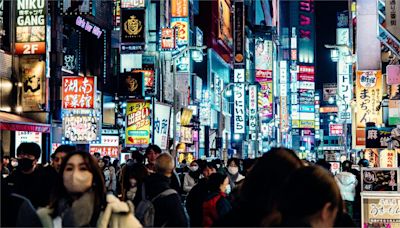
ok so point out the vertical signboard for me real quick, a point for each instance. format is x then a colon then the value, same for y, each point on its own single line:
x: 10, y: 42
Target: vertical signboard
x: 179, y: 8
x: 32, y: 71
x: 369, y: 95
x: 182, y: 27
x: 283, y: 96
x: 253, y: 107
x: 306, y: 31
x: 168, y: 39
x: 30, y: 27
x: 393, y: 17
x: 133, y: 29
x: 239, y: 101
x: 162, y: 114
x: 224, y: 21
x: 133, y: 3
x: 239, y: 33
x: 78, y: 92
x: 137, y: 123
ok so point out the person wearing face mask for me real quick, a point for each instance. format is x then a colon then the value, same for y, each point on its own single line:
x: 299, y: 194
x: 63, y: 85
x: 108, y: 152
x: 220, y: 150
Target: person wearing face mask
x: 216, y: 204
x: 133, y: 176
x: 192, y: 177
x: 110, y: 176
x: 80, y: 198
x: 233, y: 172
x: 27, y: 180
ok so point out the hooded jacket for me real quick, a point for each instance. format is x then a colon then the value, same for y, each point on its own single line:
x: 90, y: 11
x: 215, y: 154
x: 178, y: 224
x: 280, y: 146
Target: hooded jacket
x: 347, y: 183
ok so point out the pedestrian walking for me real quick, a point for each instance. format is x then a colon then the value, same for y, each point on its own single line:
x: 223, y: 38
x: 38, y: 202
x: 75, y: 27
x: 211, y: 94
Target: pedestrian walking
x: 80, y: 198
x: 192, y: 177
x: 234, y: 175
x: 347, y: 183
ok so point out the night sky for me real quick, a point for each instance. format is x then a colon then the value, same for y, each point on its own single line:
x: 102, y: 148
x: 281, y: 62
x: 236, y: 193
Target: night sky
x: 325, y: 13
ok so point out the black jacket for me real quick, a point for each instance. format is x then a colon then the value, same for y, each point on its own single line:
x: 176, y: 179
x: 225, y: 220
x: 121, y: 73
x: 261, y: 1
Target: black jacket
x: 194, y: 203
x: 168, y: 210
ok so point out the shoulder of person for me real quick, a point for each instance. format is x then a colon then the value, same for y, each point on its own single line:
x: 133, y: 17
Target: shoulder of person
x: 240, y: 177
x: 44, y: 214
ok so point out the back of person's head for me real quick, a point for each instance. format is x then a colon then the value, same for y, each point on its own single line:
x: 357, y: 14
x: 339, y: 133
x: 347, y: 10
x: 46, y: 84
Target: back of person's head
x: 215, y: 181
x: 164, y: 164
x: 153, y: 147
x: 324, y: 164
x: 363, y: 163
x: 29, y: 148
x: 265, y: 180
x: 310, y: 197
x: 65, y: 148
x: 346, y: 166
x: 138, y: 157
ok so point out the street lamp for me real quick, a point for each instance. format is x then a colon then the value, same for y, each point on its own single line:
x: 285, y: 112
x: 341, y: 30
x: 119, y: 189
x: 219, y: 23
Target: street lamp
x: 174, y: 59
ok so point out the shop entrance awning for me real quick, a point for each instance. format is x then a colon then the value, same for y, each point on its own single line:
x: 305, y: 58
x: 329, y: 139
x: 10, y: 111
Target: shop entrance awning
x: 12, y: 122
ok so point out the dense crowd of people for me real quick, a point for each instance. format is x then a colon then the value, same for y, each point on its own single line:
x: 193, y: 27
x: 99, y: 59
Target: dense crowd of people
x: 79, y: 189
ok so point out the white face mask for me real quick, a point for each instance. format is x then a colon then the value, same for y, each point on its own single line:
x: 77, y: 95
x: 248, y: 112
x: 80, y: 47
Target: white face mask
x: 78, y: 181
x: 193, y: 168
x: 233, y: 170
x: 14, y: 163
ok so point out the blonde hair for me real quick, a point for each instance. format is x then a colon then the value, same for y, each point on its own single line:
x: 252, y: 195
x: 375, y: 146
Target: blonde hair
x: 164, y: 163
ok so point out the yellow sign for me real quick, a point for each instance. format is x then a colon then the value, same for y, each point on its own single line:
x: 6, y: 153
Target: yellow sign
x: 369, y: 93
x: 137, y: 131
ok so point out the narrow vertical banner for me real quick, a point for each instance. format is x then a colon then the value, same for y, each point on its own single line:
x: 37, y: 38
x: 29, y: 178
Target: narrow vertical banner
x: 162, y: 113
x: 283, y: 96
x: 239, y: 33
x: 239, y: 101
x: 253, y: 107
x: 179, y: 8
x: 137, y: 123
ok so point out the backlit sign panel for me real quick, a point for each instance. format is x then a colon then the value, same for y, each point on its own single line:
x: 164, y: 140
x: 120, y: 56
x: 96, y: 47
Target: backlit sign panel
x: 78, y: 92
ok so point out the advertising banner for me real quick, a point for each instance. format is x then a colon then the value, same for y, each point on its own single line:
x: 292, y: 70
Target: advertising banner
x: 253, y: 107
x: 329, y: 90
x: 32, y: 72
x: 306, y: 73
x: 380, y: 180
x: 78, y: 92
x: 360, y: 137
x: 381, y: 210
x: 306, y: 85
x: 132, y: 84
x: 393, y: 74
x: 345, y: 89
x: 133, y: 26
x: 179, y: 8
x: 393, y: 17
x: 88, y: 27
x: 265, y: 104
x: 137, y: 123
x: 186, y: 135
x: 133, y: 4
x: 149, y: 77
x: 182, y: 27
x: 205, y: 111
x: 72, y: 7
x: 263, y: 56
x: 109, y: 146
x: 224, y: 20
x: 388, y: 158
x: 1, y: 15
x: 168, y: 39
x: 239, y: 33
x: 81, y: 127
x: 162, y: 113
x: 394, y: 112
x: 239, y: 109
x: 30, y: 33
x: 377, y: 137
x: 335, y: 130
x: 369, y: 94
x: 168, y: 88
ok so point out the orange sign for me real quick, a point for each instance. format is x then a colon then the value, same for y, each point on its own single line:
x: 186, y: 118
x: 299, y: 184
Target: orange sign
x: 360, y: 137
x: 30, y: 48
x: 179, y: 8
x: 78, y: 92
x: 111, y: 151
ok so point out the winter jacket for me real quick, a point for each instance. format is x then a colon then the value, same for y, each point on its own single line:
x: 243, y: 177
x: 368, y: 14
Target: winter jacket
x: 168, y: 210
x: 116, y: 214
x: 347, y: 183
x: 194, y: 203
x: 188, y: 183
x: 215, y: 206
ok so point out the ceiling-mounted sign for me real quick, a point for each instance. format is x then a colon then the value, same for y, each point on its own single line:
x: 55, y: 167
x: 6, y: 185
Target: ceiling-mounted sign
x: 89, y: 27
x: 78, y: 92
x: 72, y: 7
x: 179, y: 8
x: 239, y: 33
x: 30, y: 27
x: 133, y: 29
x: 133, y: 3
x: 168, y: 39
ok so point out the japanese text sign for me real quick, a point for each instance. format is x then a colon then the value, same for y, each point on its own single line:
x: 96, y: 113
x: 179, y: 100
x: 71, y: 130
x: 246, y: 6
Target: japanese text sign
x: 239, y: 32
x: 369, y: 95
x: 112, y: 151
x: 239, y: 109
x: 137, y: 123
x: 133, y: 3
x: 224, y: 22
x: 335, y: 130
x: 179, y: 8
x: 182, y: 25
x: 388, y: 159
x: 345, y: 88
x: 78, y: 92
x: 162, y: 115
x: 381, y: 210
x: 379, y: 180
x: 377, y: 137
x: 168, y: 38
x: 252, y: 107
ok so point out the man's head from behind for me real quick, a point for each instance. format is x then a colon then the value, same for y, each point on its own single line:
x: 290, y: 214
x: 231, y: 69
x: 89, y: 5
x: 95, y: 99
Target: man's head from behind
x: 60, y: 153
x: 165, y: 164
x: 28, y: 155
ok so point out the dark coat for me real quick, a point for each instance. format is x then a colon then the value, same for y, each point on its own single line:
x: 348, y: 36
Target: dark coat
x: 194, y: 203
x: 168, y: 209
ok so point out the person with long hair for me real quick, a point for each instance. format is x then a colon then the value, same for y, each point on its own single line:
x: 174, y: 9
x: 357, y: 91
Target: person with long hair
x: 80, y: 198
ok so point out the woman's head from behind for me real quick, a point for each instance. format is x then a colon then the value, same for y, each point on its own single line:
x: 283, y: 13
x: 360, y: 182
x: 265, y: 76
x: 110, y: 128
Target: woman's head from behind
x: 311, y: 196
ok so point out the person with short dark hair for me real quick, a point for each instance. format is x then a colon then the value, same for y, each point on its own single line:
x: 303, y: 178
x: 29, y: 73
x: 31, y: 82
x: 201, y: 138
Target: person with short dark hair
x: 27, y: 180
x: 59, y: 155
x: 152, y: 152
x: 347, y: 183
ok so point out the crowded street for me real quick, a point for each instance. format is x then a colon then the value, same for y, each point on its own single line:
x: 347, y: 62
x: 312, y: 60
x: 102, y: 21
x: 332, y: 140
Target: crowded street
x: 200, y: 113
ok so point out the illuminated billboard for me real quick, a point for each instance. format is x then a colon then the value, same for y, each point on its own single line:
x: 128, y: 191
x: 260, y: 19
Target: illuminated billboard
x: 78, y: 92
x: 32, y: 71
x: 137, y: 123
x: 224, y: 22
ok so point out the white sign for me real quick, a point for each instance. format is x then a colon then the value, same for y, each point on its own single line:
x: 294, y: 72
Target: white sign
x: 306, y: 85
x: 239, y: 109
x: 239, y: 75
x: 162, y: 114
x: 205, y: 110
x: 110, y: 140
x: 81, y: 128
x: 252, y: 107
x: 283, y: 78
